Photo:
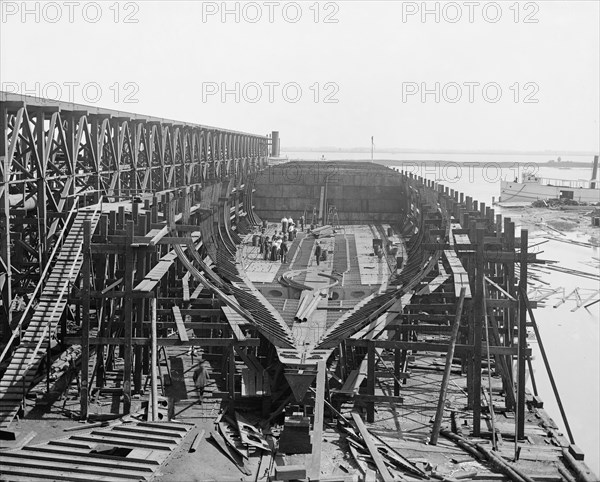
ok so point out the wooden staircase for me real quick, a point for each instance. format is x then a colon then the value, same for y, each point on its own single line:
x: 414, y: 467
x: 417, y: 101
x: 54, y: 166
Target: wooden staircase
x: 34, y: 341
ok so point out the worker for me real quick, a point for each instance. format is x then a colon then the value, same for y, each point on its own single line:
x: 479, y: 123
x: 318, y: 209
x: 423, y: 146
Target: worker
x: 201, y: 376
x: 284, y: 224
x: 274, y: 251
x: 317, y: 252
x: 284, y: 251
x: 266, y: 248
x: 302, y: 223
x: 291, y: 232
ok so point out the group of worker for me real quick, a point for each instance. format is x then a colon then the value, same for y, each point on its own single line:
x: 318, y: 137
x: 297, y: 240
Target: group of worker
x: 289, y: 226
x: 275, y: 248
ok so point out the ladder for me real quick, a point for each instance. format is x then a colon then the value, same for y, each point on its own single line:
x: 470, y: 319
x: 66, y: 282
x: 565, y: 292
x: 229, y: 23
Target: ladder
x: 332, y: 217
x: 314, y: 217
x: 161, y: 357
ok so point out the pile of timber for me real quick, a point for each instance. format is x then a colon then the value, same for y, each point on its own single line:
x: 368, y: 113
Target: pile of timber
x: 369, y: 450
x: 238, y: 439
x: 67, y: 359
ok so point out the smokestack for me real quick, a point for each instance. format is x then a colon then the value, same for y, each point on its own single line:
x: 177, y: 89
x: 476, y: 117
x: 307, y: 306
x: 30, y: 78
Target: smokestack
x: 594, y: 173
x: 275, y: 144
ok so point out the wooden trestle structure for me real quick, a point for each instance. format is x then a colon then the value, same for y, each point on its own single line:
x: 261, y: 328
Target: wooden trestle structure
x: 117, y: 227
x: 76, y: 249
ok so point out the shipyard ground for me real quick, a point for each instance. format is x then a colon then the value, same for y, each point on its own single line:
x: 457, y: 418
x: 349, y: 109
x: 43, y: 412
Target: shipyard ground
x: 406, y: 427
x: 574, y: 220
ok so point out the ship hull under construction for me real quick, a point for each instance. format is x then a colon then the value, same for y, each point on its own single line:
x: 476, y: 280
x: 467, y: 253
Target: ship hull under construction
x: 390, y: 342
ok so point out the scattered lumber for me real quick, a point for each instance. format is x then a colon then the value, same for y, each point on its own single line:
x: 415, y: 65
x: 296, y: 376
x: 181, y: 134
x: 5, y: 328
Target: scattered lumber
x: 510, y: 471
x: 366, y: 436
x: 85, y: 426
x: 227, y: 436
x: 230, y: 453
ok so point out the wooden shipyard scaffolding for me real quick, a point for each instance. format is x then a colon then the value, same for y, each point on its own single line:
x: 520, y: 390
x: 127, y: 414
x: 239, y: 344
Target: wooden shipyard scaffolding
x: 90, y: 198
x: 120, y: 235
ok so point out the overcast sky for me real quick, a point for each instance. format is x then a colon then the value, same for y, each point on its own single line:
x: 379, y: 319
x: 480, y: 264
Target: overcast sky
x: 433, y: 75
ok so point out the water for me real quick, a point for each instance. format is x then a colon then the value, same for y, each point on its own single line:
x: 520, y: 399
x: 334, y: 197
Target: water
x: 339, y: 154
x: 572, y: 341
x: 571, y: 338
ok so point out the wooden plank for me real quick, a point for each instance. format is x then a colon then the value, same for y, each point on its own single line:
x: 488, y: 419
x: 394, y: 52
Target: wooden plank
x: 230, y: 453
x: 105, y: 340
x: 365, y: 397
x: 314, y: 471
x: 375, y: 455
x: 234, y: 319
x: 120, y: 442
x: 183, y: 336
x: 197, y: 439
x: 290, y: 472
x: 93, y: 460
x: 196, y: 292
x: 186, y: 287
x: 434, y: 347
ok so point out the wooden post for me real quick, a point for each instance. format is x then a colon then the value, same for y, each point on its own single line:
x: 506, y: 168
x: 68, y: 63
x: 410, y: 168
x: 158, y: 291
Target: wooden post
x: 397, y: 365
x: 5, y: 235
x: 154, y: 362
x: 342, y: 349
x: 477, y: 333
x: 549, y: 371
x: 140, y: 224
x: 469, y: 266
x: 371, y: 381
x: 85, y: 320
x: 127, y: 317
x: 447, y: 369
x: 522, y: 358
x: 509, y: 313
x: 314, y: 470
x: 231, y: 378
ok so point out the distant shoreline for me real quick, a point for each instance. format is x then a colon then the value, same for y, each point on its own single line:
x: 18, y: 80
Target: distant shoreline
x: 392, y: 150
x: 431, y: 162
x: 564, y: 164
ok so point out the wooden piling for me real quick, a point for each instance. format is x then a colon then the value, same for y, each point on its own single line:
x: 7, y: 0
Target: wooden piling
x: 85, y: 320
x: 446, y: 377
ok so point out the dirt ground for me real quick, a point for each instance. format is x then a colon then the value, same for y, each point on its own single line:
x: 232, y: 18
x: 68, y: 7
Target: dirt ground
x: 570, y: 220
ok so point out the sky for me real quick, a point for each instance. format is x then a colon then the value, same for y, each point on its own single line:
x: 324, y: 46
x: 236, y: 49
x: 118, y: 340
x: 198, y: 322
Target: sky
x: 470, y: 75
